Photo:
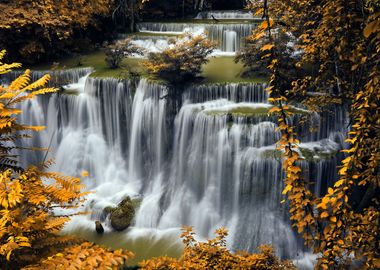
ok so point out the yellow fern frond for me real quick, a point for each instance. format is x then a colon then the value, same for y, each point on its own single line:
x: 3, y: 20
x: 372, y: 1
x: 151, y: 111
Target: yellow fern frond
x: 2, y: 54
x: 5, y: 68
x: 41, y: 82
x: 21, y: 82
x: 44, y: 91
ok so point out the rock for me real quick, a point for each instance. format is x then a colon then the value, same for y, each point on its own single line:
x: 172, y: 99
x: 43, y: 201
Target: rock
x: 99, y: 227
x: 121, y: 216
x: 106, y: 212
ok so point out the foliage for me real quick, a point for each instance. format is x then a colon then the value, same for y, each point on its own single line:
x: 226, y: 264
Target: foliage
x: 10, y: 96
x: 33, y: 29
x: 127, y: 10
x: 182, y: 61
x: 214, y: 254
x: 340, y: 41
x: 29, y: 224
x: 257, y: 59
x: 115, y: 53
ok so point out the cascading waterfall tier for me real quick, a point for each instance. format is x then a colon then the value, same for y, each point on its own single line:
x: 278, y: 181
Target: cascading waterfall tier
x: 226, y: 15
x: 218, y: 165
x: 228, y: 36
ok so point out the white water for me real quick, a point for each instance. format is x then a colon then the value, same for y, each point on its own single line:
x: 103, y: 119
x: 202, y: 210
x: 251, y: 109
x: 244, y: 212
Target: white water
x: 225, y: 15
x: 228, y: 37
x: 206, y: 170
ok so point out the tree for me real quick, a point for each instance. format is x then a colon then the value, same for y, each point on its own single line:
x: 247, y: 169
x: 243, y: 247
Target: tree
x: 214, y: 254
x: 128, y: 11
x: 340, y: 41
x: 29, y: 224
x: 182, y: 61
x: 115, y: 53
x: 32, y: 30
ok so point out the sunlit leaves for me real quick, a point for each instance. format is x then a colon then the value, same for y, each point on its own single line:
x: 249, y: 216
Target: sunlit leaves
x: 340, y: 42
x: 182, y: 61
x: 213, y: 254
x: 29, y: 227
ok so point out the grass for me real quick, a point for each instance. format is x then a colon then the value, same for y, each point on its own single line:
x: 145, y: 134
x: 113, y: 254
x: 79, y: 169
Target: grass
x: 218, y: 70
x: 241, y: 111
x: 224, y: 69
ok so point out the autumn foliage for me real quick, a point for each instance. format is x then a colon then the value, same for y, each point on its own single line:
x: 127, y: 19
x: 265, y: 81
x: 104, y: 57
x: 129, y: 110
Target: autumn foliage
x: 339, y: 43
x: 29, y: 198
x: 30, y: 30
x: 214, y: 254
x: 182, y: 61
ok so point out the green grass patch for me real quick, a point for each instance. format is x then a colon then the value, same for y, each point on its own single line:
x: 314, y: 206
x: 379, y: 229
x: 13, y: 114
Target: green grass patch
x: 218, y: 70
x: 224, y: 69
x: 245, y: 111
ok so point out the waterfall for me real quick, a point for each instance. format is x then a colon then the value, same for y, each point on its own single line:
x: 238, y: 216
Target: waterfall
x: 215, y: 165
x: 228, y: 36
x: 230, y: 41
x: 225, y: 15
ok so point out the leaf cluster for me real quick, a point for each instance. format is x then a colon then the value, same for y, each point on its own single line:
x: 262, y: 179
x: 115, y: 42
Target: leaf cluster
x: 340, y: 42
x: 115, y: 53
x: 182, y: 61
x: 34, y: 204
x: 214, y: 254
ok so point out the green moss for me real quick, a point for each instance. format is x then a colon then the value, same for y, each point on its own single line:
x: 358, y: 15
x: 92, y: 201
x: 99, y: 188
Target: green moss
x: 316, y: 155
x: 309, y: 155
x: 224, y: 69
x: 247, y: 111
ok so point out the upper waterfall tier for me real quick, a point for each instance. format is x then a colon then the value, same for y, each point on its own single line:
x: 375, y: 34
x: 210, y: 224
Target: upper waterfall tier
x: 225, y: 15
x: 228, y: 36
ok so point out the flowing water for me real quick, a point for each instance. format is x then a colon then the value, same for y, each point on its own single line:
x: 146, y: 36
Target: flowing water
x: 212, y: 163
x: 214, y: 166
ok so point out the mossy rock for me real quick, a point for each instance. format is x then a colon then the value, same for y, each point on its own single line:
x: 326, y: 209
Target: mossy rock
x: 121, y: 216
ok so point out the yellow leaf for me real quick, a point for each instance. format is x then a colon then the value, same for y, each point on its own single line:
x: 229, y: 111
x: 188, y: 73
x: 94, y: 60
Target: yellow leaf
x: 84, y: 174
x: 287, y: 189
x: 339, y: 183
x: 324, y: 215
x: 267, y: 47
x: 9, y: 255
x: 370, y: 28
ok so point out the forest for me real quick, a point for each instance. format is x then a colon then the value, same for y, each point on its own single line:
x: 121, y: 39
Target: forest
x: 189, y: 134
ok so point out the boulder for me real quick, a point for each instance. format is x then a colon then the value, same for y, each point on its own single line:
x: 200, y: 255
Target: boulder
x: 99, y: 227
x: 121, y: 216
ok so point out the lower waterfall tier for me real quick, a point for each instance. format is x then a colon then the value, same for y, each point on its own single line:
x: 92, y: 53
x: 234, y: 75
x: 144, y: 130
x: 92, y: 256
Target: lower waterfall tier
x: 201, y: 169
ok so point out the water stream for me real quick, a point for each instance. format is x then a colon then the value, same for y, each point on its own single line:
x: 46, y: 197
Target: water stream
x: 211, y: 164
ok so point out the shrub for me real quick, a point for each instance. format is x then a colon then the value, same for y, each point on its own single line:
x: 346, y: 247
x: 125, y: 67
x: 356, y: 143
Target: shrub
x: 182, y: 61
x: 115, y: 53
x: 214, y: 254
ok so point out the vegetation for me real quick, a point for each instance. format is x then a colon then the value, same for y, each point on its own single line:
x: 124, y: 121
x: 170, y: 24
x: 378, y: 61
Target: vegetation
x: 340, y: 41
x: 256, y: 59
x: 182, y: 62
x: 32, y: 30
x: 127, y: 12
x: 29, y: 226
x: 115, y: 53
x: 304, y: 46
x: 214, y: 254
